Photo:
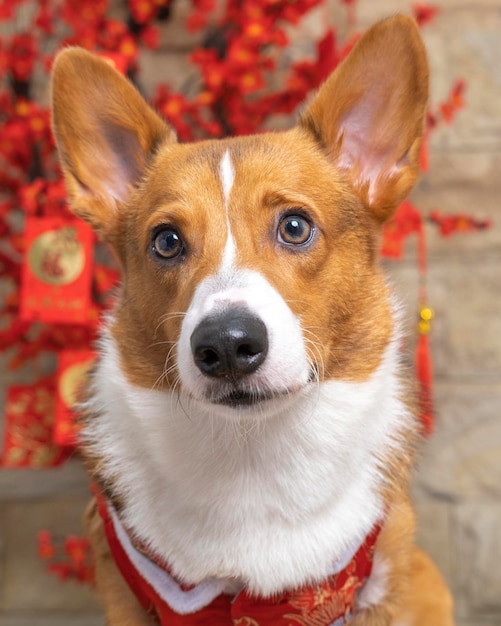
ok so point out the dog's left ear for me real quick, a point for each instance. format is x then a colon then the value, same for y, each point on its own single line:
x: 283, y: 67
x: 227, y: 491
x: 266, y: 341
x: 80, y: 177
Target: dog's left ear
x: 105, y: 133
x: 369, y: 115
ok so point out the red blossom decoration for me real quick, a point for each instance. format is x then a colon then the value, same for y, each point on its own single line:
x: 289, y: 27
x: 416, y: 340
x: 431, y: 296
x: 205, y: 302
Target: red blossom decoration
x: 458, y: 223
x: 21, y: 56
x: 406, y: 221
x: 424, y: 13
x: 70, y: 560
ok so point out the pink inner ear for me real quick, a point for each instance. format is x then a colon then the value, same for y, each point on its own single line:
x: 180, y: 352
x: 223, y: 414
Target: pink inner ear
x: 370, y: 142
x: 370, y: 114
x: 367, y: 130
x: 107, y: 175
x: 127, y: 159
x: 113, y: 161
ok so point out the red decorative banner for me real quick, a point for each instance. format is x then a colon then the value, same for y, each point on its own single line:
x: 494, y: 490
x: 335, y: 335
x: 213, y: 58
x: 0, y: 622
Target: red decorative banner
x: 73, y: 366
x: 29, y: 421
x: 57, y: 271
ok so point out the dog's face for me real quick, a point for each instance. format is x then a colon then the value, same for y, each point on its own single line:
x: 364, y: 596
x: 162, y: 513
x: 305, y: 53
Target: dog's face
x: 249, y: 264
x: 232, y: 268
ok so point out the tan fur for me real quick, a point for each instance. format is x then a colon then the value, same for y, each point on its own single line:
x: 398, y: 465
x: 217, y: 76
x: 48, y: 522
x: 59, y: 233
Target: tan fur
x: 121, y: 607
x: 427, y: 601
x: 348, y: 169
x: 417, y: 593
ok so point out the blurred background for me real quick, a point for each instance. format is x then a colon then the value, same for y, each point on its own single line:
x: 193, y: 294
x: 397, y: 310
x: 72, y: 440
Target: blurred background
x: 215, y: 67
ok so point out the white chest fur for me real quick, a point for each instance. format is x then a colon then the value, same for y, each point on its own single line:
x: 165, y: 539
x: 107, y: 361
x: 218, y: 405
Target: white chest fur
x: 271, y: 502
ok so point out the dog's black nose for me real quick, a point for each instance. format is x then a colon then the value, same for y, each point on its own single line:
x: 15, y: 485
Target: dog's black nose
x: 232, y: 344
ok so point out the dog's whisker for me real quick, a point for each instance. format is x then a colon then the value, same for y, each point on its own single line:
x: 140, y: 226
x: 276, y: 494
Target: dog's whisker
x: 183, y: 408
x: 166, y: 370
x: 160, y: 343
x: 317, y: 364
x: 166, y: 317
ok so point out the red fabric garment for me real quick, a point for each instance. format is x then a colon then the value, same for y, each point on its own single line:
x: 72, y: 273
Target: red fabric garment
x: 329, y: 603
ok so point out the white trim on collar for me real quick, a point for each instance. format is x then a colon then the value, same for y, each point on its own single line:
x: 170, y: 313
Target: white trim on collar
x: 182, y: 602
x: 200, y: 596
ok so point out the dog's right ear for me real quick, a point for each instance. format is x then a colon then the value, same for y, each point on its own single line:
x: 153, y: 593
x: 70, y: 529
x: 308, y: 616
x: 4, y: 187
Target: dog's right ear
x: 369, y: 115
x: 105, y: 133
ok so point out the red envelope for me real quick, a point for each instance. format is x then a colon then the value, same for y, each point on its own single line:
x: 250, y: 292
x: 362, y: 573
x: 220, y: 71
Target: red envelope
x: 57, y: 271
x: 73, y: 366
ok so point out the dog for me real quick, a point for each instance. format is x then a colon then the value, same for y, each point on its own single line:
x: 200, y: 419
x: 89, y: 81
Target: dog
x: 248, y: 428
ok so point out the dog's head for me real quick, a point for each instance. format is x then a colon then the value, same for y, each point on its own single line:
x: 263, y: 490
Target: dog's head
x: 249, y: 264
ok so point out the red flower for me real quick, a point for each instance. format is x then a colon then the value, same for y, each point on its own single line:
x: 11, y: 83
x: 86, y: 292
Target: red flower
x: 23, y: 53
x: 43, y: 197
x: 44, y: 18
x: 457, y: 223
x: 72, y: 560
x: 257, y: 31
x: 144, y: 11
x: 454, y: 103
x: 249, y: 81
x: 150, y: 36
x: 30, y: 196
x: 46, y: 548
x: 424, y: 13
x: 117, y: 61
x: 407, y: 220
x: 199, y: 16
x: 77, y: 549
x: 308, y: 75
x: 7, y: 8
x: 242, y: 54
x: 293, y: 11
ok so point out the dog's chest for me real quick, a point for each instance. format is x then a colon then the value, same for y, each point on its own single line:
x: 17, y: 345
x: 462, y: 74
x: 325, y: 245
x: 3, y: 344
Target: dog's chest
x: 271, y: 502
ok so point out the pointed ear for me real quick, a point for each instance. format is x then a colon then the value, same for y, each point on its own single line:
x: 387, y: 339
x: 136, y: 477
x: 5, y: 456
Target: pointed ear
x: 370, y: 113
x: 105, y: 133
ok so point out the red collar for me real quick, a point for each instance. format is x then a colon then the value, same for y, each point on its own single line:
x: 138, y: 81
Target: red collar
x: 329, y: 603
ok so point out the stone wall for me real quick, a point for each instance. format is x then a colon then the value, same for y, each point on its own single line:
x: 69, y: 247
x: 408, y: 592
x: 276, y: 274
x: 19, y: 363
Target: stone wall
x: 457, y: 488
x: 458, y: 485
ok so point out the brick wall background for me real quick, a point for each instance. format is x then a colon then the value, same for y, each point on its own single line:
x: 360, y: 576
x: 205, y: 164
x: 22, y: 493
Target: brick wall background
x: 458, y: 484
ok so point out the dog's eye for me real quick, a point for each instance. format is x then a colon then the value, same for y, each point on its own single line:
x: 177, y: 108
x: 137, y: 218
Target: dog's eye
x: 167, y: 244
x: 295, y: 230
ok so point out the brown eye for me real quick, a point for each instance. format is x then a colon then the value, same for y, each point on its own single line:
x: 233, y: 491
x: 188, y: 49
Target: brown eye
x: 167, y: 244
x: 295, y: 230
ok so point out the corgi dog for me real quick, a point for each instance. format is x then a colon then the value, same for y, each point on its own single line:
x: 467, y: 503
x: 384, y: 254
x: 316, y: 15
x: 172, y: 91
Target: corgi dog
x: 248, y: 428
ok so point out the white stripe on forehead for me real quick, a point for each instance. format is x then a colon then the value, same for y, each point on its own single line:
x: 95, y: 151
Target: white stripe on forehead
x: 227, y: 178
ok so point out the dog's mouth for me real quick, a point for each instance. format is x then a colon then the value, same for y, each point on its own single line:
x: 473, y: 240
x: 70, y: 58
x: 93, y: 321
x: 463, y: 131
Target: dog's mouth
x: 237, y: 395
x: 245, y: 398
x: 242, y: 399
